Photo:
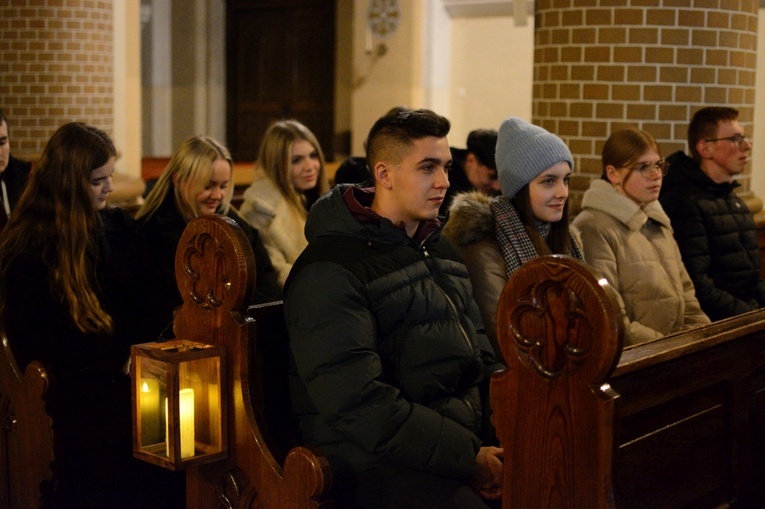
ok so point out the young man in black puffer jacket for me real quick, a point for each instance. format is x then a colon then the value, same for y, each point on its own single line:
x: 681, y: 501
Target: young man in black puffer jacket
x: 392, y: 364
x: 713, y: 227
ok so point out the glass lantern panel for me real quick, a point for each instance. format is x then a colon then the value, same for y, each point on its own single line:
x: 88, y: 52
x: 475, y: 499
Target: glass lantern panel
x: 202, y: 376
x: 151, y: 391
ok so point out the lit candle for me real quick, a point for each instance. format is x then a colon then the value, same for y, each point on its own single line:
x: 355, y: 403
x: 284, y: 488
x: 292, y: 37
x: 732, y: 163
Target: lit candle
x: 187, y: 422
x: 186, y: 410
x: 149, y: 411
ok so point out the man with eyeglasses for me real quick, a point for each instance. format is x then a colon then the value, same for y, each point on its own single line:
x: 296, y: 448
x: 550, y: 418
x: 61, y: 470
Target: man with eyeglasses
x: 713, y: 227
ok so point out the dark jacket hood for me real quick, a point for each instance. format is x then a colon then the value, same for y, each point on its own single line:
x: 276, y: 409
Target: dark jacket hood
x: 684, y: 170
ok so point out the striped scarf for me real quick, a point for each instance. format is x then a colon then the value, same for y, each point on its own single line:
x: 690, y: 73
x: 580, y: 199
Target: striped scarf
x: 513, y: 239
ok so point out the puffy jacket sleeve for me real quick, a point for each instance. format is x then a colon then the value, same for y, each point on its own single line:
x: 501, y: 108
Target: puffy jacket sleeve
x: 332, y: 338
x: 601, y: 255
x: 691, y: 236
x: 694, y: 316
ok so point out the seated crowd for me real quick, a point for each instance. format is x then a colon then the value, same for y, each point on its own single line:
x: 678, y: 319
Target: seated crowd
x: 390, y: 322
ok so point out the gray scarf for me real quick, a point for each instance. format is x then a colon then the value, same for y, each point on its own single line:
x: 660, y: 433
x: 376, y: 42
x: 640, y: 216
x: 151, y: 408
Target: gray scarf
x: 513, y: 239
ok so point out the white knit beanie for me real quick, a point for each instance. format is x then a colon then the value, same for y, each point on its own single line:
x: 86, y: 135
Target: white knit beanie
x: 524, y: 151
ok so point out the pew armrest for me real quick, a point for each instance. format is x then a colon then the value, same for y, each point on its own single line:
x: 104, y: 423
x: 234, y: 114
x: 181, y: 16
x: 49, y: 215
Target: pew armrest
x: 26, y: 444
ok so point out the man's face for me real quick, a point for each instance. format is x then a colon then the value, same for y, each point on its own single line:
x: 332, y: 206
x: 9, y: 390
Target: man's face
x: 727, y: 154
x: 481, y: 177
x: 419, y: 182
x: 5, y: 146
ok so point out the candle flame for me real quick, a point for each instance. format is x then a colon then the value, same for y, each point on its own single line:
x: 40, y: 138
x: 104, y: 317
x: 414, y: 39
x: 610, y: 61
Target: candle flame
x: 145, y: 387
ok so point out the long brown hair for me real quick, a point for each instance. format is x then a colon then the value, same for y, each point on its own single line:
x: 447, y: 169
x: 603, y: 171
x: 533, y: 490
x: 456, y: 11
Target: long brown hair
x: 558, y: 241
x: 56, y: 217
x: 274, y: 162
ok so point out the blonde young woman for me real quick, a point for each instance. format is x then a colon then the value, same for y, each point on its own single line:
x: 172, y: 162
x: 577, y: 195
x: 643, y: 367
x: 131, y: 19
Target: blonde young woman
x: 627, y: 236
x: 290, y: 175
x: 197, y: 181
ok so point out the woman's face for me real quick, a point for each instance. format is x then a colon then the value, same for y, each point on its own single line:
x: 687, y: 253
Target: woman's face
x: 548, y: 192
x: 641, y: 181
x: 304, y: 165
x: 101, y: 183
x: 215, y: 191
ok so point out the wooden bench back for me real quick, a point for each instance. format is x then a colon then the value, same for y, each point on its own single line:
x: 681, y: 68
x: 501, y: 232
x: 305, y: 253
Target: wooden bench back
x: 26, y: 441
x: 691, y: 418
x: 215, y: 270
x: 559, y: 332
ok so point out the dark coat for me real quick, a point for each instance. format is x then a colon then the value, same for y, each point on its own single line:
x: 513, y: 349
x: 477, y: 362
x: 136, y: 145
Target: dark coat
x: 90, y: 401
x: 716, y: 235
x: 388, y: 344
x: 15, y: 176
x: 163, y: 231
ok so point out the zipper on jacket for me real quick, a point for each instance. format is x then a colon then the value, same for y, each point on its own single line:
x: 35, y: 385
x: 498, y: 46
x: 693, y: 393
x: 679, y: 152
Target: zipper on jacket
x: 465, y: 335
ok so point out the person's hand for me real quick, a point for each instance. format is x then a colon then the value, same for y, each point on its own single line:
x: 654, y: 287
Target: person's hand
x: 487, y: 480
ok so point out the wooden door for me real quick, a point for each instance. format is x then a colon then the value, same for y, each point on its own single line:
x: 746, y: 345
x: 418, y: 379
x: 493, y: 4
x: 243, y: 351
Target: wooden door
x: 280, y: 64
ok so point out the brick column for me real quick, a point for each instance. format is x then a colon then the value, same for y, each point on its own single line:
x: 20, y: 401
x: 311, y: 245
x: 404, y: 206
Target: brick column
x: 601, y: 66
x: 55, y: 67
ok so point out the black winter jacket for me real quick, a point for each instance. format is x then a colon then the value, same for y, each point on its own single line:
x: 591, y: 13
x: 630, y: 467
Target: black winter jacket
x: 716, y: 235
x: 15, y: 177
x: 387, y: 340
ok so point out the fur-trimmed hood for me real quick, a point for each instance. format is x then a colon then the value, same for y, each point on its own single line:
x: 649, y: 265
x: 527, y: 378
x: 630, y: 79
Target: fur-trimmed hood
x: 470, y: 218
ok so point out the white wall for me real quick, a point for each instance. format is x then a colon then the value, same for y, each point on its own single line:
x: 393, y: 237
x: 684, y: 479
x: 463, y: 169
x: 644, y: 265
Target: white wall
x: 474, y: 70
x: 492, y: 73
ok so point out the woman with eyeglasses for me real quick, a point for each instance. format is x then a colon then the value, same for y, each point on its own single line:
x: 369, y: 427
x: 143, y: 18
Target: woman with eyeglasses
x: 627, y: 237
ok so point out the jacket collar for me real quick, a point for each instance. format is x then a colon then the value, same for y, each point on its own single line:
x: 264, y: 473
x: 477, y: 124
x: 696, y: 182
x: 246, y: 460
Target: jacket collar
x: 603, y: 197
x: 359, y: 202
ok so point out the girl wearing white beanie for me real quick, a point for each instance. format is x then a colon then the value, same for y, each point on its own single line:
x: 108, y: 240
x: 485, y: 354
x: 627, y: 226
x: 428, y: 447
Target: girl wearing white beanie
x: 530, y: 219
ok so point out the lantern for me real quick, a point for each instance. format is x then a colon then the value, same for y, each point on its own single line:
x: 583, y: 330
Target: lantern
x: 179, y: 408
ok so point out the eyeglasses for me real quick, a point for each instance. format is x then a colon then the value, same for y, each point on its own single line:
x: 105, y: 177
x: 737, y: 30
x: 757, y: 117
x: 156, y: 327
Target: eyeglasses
x: 738, y: 139
x: 647, y: 169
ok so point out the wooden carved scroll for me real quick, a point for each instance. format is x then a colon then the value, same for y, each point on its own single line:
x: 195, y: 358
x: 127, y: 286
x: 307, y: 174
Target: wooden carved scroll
x: 215, y: 269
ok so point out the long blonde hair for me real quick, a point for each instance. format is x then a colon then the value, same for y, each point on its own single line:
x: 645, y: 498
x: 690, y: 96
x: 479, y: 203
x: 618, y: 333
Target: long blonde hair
x: 56, y: 217
x: 190, y: 167
x: 274, y: 162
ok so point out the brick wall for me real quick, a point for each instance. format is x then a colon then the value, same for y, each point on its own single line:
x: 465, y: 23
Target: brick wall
x: 55, y: 67
x: 601, y: 65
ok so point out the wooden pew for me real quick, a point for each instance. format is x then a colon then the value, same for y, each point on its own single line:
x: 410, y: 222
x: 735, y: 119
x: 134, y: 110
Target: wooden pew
x: 26, y: 441
x: 216, y: 272
x: 674, y: 423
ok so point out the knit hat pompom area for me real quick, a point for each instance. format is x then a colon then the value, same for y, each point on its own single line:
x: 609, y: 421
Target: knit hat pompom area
x: 524, y: 151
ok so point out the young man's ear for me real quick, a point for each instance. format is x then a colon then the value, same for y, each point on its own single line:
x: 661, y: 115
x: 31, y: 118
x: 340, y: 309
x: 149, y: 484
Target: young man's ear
x: 704, y: 148
x: 382, y: 174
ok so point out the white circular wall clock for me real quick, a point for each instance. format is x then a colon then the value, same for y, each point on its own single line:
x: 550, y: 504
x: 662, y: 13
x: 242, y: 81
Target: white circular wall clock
x: 383, y: 17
